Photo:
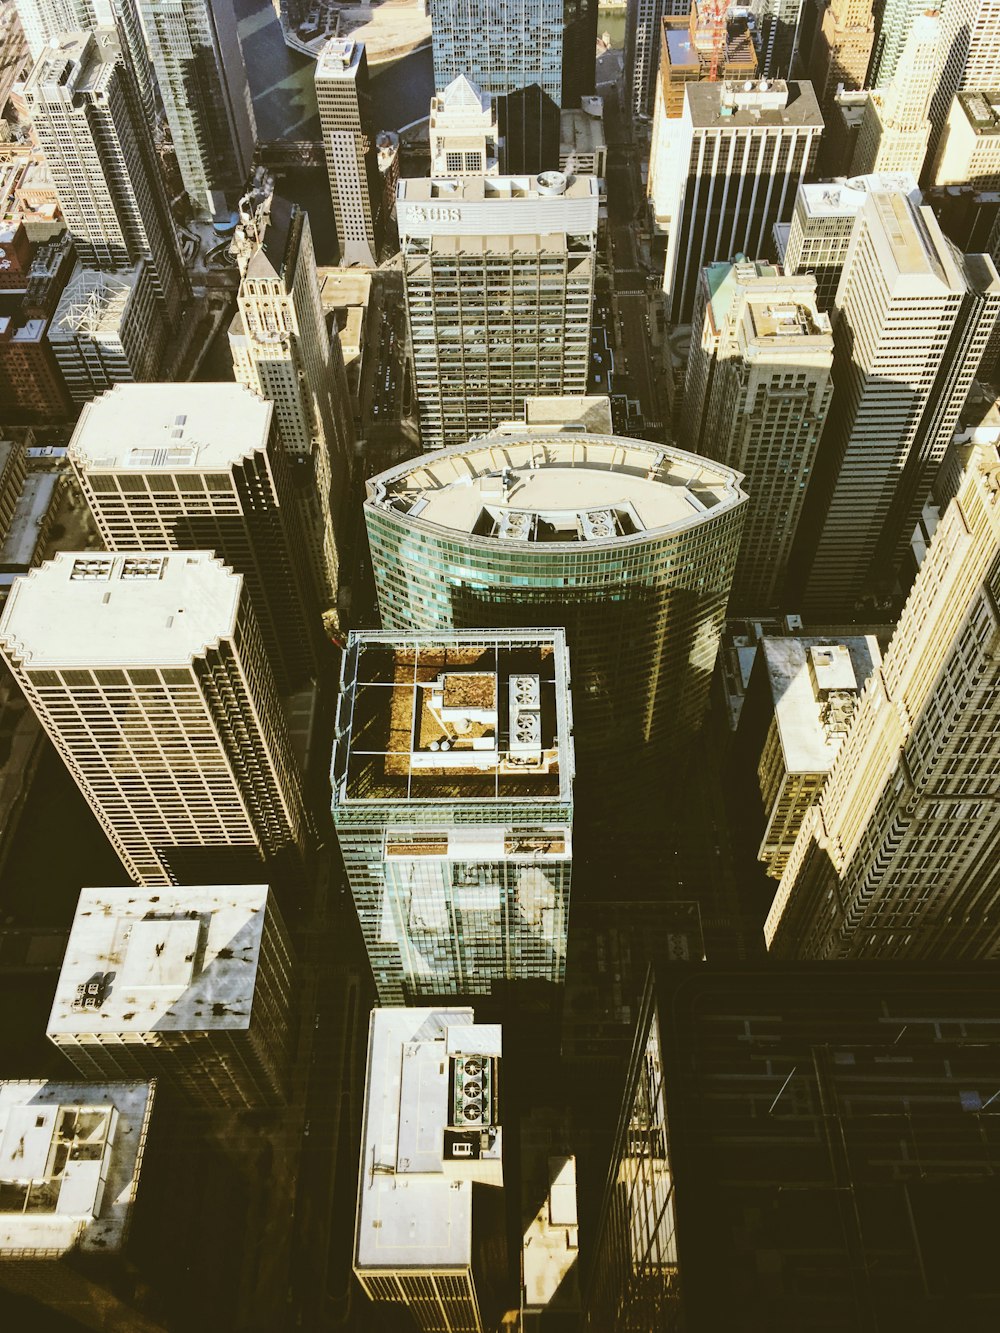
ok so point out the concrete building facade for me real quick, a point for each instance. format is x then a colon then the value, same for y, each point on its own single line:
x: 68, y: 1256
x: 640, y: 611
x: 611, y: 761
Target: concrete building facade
x: 282, y: 349
x: 349, y: 144
x: 618, y: 541
x: 452, y: 797
x: 463, y: 131
x: 85, y: 110
x: 913, y: 319
x: 895, y: 128
x: 166, y: 467
x: 969, y: 150
x: 756, y: 396
x: 149, y: 675
x: 729, y: 173
x: 499, y: 276
x: 900, y: 856
x: 189, y: 985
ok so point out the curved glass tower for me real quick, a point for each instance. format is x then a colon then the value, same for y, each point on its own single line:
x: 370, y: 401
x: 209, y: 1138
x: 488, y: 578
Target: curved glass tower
x: 630, y: 546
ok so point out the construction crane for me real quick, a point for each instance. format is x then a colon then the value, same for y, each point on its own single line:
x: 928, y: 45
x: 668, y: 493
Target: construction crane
x: 712, y: 14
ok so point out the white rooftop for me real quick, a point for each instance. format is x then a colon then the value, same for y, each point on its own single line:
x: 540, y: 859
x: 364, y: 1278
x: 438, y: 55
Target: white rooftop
x: 586, y: 488
x: 171, y: 427
x: 70, y: 1155
x: 914, y: 255
x: 843, y: 197
x: 88, y: 609
x: 798, y: 669
x: 411, y: 1214
x: 178, y: 959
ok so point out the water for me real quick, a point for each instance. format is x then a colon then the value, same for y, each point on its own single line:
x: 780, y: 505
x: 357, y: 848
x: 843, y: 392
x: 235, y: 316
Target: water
x: 612, y: 22
x: 402, y: 89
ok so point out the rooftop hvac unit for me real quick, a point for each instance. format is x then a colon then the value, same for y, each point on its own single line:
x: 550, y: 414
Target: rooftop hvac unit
x: 473, y: 1112
x: 597, y: 523
x: 473, y: 1067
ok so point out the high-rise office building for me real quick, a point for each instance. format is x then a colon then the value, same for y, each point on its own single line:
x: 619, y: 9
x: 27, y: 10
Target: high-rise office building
x: 198, y: 63
x: 913, y: 321
x: 619, y: 541
x: 71, y: 1172
x: 778, y: 23
x: 901, y: 856
x: 463, y: 131
x: 895, y: 129
x: 841, y: 50
x: 41, y: 20
x: 282, y: 349
x: 108, y: 329
x: 349, y: 144
x: 499, y: 276
x: 823, y: 222
x: 431, y: 1138
x: 800, y: 1149
x: 756, y: 396
x: 199, y: 467
x: 452, y: 798
x: 730, y: 172
x: 643, y: 37
x: 548, y: 44
x: 149, y: 675
x: 969, y: 149
x: 689, y: 46
x: 85, y: 111
x: 189, y: 985
x: 970, y: 44
x: 801, y: 697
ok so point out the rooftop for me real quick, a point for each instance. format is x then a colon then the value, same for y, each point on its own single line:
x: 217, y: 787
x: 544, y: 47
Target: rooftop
x: 171, y: 428
x: 86, y: 609
x: 341, y: 56
x: 412, y: 1212
x: 173, y: 960
x: 843, y: 198
x: 560, y: 489
x: 70, y: 1156
x: 93, y: 304
x: 755, y: 102
x: 477, y: 189
x: 473, y: 715
x: 982, y: 109
x: 910, y: 244
x: 814, y: 683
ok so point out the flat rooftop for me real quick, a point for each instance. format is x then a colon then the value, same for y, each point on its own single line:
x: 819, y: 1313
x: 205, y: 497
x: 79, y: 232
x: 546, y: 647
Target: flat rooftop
x: 171, y: 428
x: 173, y: 960
x: 911, y: 245
x: 411, y: 1214
x: 87, y: 609
x: 769, y: 102
x: 808, y: 677
x: 843, y: 198
x: 471, y: 715
x: 560, y: 489
x: 93, y: 304
x: 476, y: 189
x: 340, y: 57
x: 781, y: 320
x: 982, y: 109
x: 70, y: 1156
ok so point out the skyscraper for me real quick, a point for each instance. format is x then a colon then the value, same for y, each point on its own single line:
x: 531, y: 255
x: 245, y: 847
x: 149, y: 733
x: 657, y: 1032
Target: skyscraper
x: 463, y: 131
x: 349, y: 144
x: 84, y: 108
x: 728, y: 175
x: 108, y: 329
x: 189, y: 985
x: 823, y: 222
x: 969, y: 149
x: 643, y: 26
x: 499, y: 274
x: 198, y: 62
x: 895, y: 129
x: 756, y: 397
x: 901, y: 856
x: 149, y: 675
x: 452, y: 797
x: 619, y: 541
x: 840, y: 51
x: 41, y: 20
x: 778, y: 22
x: 913, y: 320
x: 282, y: 349
x: 784, y: 1130
x: 200, y: 467
x: 432, y: 1132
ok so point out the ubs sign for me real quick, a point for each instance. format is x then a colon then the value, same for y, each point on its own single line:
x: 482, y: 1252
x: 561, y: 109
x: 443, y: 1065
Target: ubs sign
x: 434, y: 213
